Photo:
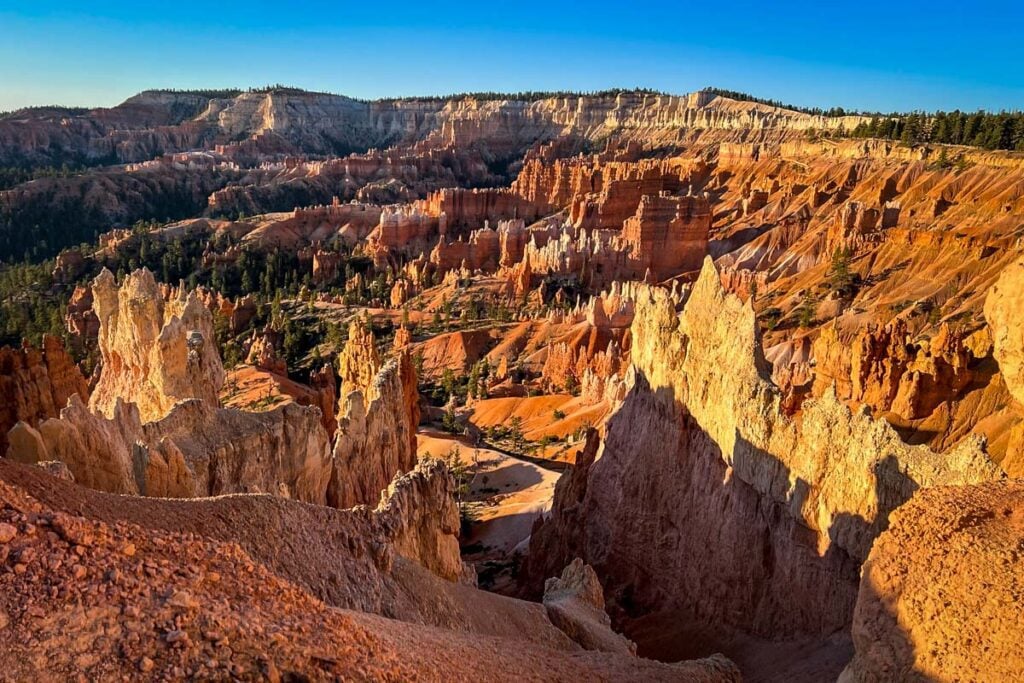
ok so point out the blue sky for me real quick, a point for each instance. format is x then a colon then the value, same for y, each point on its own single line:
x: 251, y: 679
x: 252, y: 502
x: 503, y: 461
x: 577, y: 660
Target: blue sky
x: 868, y: 55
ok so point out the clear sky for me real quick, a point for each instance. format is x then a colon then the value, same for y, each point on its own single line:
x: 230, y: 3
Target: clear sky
x: 870, y: 55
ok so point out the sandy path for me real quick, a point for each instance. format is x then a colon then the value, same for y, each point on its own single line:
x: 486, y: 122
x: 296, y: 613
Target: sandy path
x: 505, y: 496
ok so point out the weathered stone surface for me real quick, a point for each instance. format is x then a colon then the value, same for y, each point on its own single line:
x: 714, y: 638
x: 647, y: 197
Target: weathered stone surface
x: 376, y: 438
x: 575, y: 604
x: 263, y: 352
x: 884, y: 369
x: 940, y: 591
x: 36, y: 384
x: 195, y: 450
x: 155, y: 353
x: 1004, y: 311
x: 359, y: 362
x: 97, y: 450
x: 423, y: 520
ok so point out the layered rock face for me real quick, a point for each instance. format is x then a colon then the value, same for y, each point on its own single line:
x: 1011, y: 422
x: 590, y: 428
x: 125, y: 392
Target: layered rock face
x: 155, y: 121
x: 668, y: 235
x: 376, y: 436
x: 36, y: 383
x: 940, y: 591
x: 155, y: 353
x: 166, y: 436
x: 195, y: 450
x: 702, y: 445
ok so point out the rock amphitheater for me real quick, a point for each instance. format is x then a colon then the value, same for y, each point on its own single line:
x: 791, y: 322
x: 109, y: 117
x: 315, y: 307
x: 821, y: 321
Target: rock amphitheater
x: 615, y: 387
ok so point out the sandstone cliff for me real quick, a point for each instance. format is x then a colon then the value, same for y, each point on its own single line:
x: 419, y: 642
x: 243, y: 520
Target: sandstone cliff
x: 35, y: 384
x: 702, y: 448
x: 155, y: 353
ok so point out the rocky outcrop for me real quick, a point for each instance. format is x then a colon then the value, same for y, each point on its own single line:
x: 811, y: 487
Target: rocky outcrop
x: 376, y: 437
x: 36, y: 383
x: 80, y: 320
x: 81, y: 564
x: 263, y: 351
x: 324, y: 396
x: 97, y: 450
x: 189, y: 447
x: 882, y: 367
x: 359, y: 362
x: 702, y: 448
x: 940, y: 591
x: 154, y: 426
x: 155, y: 352
x: 195, y: 450
x: 668, y: 235
x: 575, y: 604
x: 419, y: 511
x: 1005, y: 316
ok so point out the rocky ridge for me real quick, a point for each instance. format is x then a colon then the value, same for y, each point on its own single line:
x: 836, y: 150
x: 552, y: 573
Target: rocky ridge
x: 812, y: 493
x: 174, y: 599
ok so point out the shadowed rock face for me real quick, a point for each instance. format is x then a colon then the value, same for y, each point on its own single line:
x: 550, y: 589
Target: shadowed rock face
x: 705, y: 496
x: 36, y: 384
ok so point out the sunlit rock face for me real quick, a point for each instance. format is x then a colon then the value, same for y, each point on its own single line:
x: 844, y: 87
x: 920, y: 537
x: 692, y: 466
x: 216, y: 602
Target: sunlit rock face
x: 920, y: 614
x: 155, y: 352
x: 704, y: 496
x: 376, y: 437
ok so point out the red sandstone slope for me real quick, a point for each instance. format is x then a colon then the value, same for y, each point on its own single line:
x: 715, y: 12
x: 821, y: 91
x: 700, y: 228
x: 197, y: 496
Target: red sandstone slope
x: 87, y: 597
x: 940, y: 595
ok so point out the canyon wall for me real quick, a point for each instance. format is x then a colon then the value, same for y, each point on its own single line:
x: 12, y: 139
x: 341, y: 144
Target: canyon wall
x: 703, y: 448
x: 286, y: 121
